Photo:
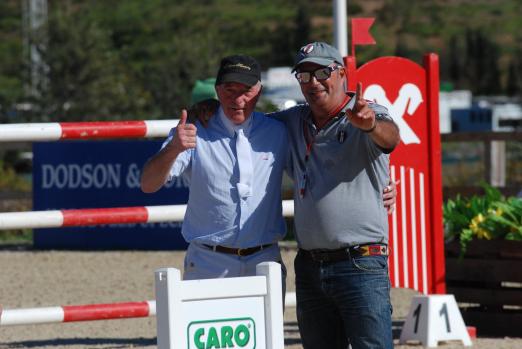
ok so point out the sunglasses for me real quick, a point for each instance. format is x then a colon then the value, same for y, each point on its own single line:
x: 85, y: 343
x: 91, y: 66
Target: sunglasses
x: 304, y: 77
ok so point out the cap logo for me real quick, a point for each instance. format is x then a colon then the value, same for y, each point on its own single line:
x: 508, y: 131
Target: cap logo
x: 307, y: 49
x: 238, y: 65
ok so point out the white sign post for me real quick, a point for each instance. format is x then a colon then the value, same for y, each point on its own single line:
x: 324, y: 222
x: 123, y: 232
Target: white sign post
x: 432, y: 319
x: 242, y: 312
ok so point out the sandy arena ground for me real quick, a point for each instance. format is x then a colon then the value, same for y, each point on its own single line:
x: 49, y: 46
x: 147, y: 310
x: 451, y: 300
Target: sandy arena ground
x: 53, y: 278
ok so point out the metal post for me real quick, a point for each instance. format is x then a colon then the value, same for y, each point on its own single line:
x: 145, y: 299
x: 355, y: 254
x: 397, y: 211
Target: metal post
x: 340, y: 26
x: 35, y: 42
x: 498, y: 164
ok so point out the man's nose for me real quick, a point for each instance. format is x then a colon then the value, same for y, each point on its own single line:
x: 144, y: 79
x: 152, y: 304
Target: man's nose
x: 239, y: 99
x: 313, y: 80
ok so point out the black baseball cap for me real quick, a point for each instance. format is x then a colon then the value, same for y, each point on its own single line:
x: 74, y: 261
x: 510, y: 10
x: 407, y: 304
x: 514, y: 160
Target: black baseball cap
x: 239, y: 68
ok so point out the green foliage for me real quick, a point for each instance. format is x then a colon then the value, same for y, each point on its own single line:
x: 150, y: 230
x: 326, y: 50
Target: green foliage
x: 24, y: 236
x: 87, y: 80
x: 488, y: 216
x: 11, y: 66
x: 9, y: 180
x: 140, y: 59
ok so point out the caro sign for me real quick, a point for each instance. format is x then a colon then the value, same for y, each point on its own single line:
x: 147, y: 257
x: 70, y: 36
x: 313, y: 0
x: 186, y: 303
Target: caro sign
x: 223, y: 333
x: 238, y: 312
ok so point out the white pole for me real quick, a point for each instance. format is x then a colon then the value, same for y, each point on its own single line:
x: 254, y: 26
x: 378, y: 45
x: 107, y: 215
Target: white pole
x: 340, y: 26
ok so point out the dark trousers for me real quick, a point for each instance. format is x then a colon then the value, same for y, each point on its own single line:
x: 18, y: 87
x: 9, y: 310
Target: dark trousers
x: 344, y: 302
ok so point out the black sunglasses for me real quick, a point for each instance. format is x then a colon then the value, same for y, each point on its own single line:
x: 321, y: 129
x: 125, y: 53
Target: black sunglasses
x: 304, y: 77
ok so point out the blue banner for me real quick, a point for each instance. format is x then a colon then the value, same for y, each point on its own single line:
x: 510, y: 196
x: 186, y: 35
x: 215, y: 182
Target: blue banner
x: 99, y: 174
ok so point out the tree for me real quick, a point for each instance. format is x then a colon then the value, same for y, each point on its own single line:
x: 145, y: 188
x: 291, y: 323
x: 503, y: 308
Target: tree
x: 86, y: 80
x: 455, y: 65
x: 513, y: 85
x: 303, y: 26
x: 11, y: 64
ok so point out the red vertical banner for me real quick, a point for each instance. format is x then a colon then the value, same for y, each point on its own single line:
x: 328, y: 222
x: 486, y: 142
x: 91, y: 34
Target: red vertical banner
x: 410, y: 92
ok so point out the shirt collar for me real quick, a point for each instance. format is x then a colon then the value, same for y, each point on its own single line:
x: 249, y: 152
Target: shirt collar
x: 341, y: 115
x: 230, y: 127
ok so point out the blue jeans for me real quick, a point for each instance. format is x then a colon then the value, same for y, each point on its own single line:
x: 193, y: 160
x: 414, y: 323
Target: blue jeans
x: 343, y: 302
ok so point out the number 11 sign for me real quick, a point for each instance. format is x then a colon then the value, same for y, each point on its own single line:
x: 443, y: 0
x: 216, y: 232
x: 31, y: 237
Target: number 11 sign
x: 432, y: 319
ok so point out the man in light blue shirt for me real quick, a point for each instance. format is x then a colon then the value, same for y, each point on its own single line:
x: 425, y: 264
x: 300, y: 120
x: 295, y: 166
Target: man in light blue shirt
x: 339, y: 149
x: 234, y: 167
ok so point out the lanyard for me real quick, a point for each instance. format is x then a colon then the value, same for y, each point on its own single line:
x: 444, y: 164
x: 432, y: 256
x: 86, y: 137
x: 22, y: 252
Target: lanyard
x: 310, y: 140
x: 309, y: 143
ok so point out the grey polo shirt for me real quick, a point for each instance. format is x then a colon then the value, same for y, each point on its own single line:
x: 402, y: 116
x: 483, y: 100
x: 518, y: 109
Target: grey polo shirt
x: 343, y: 181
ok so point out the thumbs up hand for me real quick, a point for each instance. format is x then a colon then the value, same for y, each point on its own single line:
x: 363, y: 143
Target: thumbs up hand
x: 185, y: 137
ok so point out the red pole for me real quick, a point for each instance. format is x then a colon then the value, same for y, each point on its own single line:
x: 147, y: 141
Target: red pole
x: 105, y: 311
x: 431, y: 64
x: 103, y: 129
x: 351, y: 72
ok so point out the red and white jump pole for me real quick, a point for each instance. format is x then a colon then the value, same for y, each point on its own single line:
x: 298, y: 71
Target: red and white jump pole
x: 98, y: 216
x: 89, y: 312
x: 74, y: 313
x: 94, y: 216
x: 54, y: 131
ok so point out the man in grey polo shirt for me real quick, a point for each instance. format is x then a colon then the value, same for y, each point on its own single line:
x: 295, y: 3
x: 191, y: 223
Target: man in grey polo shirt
x: 339, y: 145
x: 339, y: 161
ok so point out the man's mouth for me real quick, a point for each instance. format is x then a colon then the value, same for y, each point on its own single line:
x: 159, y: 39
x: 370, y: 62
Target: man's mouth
x: 316, y: 92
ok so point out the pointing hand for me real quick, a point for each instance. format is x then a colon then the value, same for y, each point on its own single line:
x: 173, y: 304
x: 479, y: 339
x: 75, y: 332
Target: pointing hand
x: 361, y: 116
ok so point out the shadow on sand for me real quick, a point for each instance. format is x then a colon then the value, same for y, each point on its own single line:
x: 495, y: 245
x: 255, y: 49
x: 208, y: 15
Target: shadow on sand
x: 108, y: 343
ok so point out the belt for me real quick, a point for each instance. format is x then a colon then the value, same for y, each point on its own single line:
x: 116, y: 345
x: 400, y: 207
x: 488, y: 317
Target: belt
x: 347, y: 252
x: 237, y: 251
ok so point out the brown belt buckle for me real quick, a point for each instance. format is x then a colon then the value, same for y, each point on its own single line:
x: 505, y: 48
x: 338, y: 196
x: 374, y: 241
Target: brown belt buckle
x: 239, y: 252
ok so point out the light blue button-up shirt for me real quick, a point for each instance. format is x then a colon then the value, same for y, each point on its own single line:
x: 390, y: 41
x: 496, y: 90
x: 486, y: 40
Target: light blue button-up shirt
x: 216, y: 215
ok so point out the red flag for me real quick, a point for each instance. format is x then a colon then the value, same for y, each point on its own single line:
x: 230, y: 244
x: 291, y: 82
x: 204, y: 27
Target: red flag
x: 361, y: 32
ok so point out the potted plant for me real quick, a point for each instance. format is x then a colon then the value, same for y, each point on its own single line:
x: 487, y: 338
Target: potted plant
x: 488, y: 217
x: 484, y: 260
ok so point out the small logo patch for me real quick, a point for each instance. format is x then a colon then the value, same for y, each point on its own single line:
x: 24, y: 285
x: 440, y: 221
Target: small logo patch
x: 238, y: 65
x: 307, y: 49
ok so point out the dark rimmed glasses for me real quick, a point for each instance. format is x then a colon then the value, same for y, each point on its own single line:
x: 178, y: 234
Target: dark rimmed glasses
x: 304, y: 77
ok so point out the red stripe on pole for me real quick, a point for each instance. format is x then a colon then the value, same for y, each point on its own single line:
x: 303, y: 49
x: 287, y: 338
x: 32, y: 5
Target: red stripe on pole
x: 95, y: 216
x: 100, y: 129
x: 105, y: 311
